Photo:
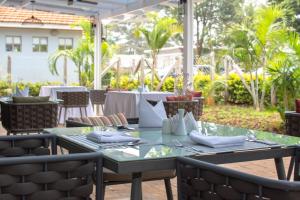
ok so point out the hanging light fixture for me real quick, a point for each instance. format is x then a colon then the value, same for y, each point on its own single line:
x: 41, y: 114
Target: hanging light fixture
x: 32, y: 19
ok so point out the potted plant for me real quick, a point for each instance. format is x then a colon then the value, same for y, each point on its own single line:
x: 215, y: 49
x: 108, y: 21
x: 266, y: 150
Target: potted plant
x: 297, y: 105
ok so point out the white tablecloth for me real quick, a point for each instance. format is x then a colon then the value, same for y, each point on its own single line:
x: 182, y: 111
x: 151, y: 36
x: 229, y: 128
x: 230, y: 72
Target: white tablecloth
x: 127, y: 101
x: 72, y: 112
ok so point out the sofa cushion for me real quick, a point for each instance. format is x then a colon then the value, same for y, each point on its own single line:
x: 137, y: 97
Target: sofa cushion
x: 112, y: 120
x: 30, y: 99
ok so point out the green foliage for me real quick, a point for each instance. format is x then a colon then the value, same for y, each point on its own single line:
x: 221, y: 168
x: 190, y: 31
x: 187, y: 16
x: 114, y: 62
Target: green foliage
x: 34, y: 88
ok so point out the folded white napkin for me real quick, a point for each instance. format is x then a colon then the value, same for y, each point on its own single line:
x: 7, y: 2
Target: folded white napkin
x: 217, y: 141
x: 22, y: 93
x: 110, y: 137
x: 190, y: 122
x: 151, y: 116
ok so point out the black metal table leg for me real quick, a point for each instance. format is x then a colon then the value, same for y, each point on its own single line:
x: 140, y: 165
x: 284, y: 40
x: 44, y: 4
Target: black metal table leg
x: 168, y: 189
x: 280, y: 168
x: 136, y: 187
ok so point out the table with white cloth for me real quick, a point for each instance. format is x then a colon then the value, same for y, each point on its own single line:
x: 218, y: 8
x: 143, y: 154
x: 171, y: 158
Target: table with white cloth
x: 127, y: 101
x: 72, y: 112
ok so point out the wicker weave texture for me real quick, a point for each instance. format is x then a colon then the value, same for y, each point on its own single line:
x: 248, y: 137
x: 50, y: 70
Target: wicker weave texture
x: 34, y: 146
x: 292, y: 124
x: 203, y: 183
x: 195, y: 106
x: 97, y: 97
x: 74, y: 99
x: 33, y: 117
x: 47, y: 180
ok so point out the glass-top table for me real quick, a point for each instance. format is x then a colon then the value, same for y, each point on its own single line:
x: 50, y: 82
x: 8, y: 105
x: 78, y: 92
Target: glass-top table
x: 158, y: 151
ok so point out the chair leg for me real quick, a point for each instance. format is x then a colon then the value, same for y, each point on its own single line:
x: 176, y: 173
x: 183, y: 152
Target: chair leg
x: 59, y: 114
x: 85, y: 110
x: 168, y: 188
x: 103, y: 190
x: 80, y: 112
x: 65, y: 117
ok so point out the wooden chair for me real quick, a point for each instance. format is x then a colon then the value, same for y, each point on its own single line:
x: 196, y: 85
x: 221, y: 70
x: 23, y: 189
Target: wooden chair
x: 205, y: 181
x: 73, y: 100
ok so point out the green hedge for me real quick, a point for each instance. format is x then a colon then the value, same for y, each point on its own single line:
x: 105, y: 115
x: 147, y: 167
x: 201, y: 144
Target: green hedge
x: 34, y: 88
x: 237, y: 93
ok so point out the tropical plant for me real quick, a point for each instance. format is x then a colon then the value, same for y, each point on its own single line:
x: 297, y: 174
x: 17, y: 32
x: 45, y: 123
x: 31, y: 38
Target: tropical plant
x: 157, y: 32
x: 83, y: 54
x: 253, y: 44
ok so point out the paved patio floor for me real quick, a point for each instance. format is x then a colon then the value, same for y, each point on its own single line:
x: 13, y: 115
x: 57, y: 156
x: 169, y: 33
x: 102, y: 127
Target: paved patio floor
x: 155, y: 190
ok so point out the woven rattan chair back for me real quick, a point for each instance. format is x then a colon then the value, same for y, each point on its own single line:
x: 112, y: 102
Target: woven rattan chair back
x: 73, y: 100
x: 292, y: 123
x: 205, y: 181
x: 98, y: 99
x: 171, y: 107
x: 50, y: 177
x: 28, y: 117
x: 26, y: 145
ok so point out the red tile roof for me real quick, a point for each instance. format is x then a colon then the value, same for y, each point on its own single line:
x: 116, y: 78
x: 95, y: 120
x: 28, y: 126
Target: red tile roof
x: 14, y: 15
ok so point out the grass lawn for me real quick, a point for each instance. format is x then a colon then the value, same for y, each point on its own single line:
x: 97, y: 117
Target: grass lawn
x: 245, y: 117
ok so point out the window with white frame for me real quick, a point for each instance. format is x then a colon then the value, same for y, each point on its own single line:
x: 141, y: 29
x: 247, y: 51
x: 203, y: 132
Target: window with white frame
x: 13, y: 43
x: 39, y: 44
x: 65, y: 43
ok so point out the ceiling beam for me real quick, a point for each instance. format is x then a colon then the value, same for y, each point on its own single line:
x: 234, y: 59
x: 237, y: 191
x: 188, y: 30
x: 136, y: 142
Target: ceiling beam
x: 64, y: 9
x: 25, y: 3
x: 2, y: 2
x: 140, y: 4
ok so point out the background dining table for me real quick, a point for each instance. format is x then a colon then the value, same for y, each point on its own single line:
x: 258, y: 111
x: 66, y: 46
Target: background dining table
x: 72, y: 112
x: 127, y: 101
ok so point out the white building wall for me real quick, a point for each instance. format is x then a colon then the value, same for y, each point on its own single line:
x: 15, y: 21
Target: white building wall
x: 29, y: 66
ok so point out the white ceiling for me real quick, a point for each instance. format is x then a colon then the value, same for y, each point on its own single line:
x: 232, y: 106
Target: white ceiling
x: 104, y: 8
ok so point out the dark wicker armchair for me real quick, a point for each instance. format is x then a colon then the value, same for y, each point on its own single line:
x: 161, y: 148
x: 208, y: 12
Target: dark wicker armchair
x: 292, y: 123
x: 29, y: 170
x: 194, y: 106
x: 28, y: 117
x: 205, y: 181
x: 50, y: 177
x: 26, y: 145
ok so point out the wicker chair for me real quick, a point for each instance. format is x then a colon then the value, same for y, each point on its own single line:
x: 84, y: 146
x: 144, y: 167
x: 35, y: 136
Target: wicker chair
x: 29, y: 170
x: 98, y: 98
x: 28, y: 117
x: 292, y: 123
x: 205, y: 181
x: 194, y: 106
x: 73, y: 100
x: 25, y: 145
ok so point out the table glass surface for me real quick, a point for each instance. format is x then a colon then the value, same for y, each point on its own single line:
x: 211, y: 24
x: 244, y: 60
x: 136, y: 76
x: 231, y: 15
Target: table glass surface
x: 159, y: 146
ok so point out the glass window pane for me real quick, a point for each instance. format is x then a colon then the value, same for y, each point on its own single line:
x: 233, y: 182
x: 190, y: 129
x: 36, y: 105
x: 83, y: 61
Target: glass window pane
x: 44, y: 41
x: 17, y: 40
x: 61, y: 42
x: 61, y: 47
x: 9, y: 47
x: 17, y: 48
x: 43, y: 48
x: 69, y: 42
x: 35, y: 48
x: 35, y: 40
x: 9, y: 40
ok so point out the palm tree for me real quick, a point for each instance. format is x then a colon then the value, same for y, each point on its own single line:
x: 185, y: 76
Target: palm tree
x: 157, y: 33
x: 83, y: 55
x: 253, y: 44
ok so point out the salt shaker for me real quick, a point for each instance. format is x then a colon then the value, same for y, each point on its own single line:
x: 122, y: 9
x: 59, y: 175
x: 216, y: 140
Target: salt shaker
x: 166, y: 127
